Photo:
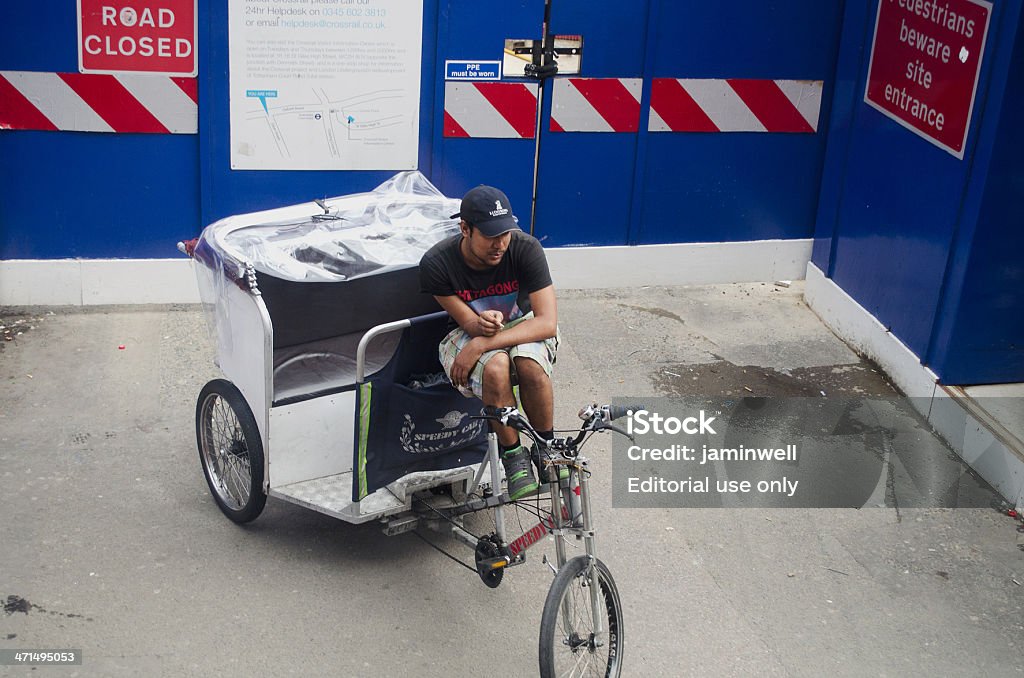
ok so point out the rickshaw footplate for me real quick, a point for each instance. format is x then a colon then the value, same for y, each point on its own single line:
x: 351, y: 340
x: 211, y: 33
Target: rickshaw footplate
x: 332, y: 495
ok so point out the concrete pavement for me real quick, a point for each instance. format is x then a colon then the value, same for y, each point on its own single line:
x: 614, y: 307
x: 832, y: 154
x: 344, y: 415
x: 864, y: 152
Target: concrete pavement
x: 113, y: 545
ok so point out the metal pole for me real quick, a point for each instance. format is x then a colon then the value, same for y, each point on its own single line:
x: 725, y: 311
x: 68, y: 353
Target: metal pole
x: 596, y: 599
x: 492, y: 459
x: 545, y: 38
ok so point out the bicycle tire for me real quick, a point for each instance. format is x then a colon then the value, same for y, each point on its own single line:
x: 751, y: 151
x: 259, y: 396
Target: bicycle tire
x: 571, y: 651
x: 230, y: 450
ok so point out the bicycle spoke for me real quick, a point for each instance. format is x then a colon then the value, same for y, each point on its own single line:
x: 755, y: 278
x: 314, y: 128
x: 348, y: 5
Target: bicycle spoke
x: 241, y: 480
x: 575, y: 653
x: 231, y: 451
x: 226, y: 453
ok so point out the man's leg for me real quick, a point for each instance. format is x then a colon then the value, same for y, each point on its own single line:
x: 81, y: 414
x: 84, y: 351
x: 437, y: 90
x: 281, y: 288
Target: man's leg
x: 497, y: 392
x: 538, y: 396
x: 536, y: 392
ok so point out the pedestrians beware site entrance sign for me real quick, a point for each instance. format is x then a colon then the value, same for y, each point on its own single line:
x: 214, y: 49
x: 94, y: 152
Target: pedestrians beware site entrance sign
x: 137, y: 36
x: 925, y: 60
x: 472, y: 70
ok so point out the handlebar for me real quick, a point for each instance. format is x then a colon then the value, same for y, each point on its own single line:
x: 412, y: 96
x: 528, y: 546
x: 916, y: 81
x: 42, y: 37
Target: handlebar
x: 595, y: 418
x: 617, y: 411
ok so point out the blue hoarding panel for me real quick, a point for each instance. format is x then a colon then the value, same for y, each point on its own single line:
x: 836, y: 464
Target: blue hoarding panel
x: 721, y: 186
x: 81, y: 194
x: 468, y: 30
x: 505, y: 163
x: 779, y: 39
x: 896, y: 209
x: 614, y: 35
x: 92, y: 195
x: 846, y: 97
x: 725, y: 187
x: 39, y: 36
x: 585, y: 178
x: 898, y: 213
x: 979, y: 335
x: 585, y: 188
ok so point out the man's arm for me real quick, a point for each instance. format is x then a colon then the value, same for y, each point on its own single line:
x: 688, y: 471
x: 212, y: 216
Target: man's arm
x: 485, y: 324
x: 543, y: 325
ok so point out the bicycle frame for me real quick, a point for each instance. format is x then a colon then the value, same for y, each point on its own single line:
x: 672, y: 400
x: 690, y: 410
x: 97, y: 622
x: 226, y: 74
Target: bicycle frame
x: 571, y: 516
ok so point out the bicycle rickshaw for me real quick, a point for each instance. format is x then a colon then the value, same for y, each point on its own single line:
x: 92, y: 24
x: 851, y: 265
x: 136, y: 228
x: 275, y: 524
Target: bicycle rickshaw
x: 333, y: 399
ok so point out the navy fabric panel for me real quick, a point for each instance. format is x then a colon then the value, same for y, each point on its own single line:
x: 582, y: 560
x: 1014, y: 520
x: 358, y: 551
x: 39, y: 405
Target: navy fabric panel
x: 308, y: 311
x: 417, y: 429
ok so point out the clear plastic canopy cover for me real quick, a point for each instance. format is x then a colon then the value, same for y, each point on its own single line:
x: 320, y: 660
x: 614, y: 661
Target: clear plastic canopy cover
x: 338, y: 238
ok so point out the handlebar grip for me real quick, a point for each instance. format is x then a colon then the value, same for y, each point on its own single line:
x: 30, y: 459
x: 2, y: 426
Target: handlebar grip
x: 491, y: 411
x: 617, y: 411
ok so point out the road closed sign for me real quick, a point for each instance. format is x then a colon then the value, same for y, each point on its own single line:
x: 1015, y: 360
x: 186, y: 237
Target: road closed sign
x: 925, y: 60
x: 137, y: 36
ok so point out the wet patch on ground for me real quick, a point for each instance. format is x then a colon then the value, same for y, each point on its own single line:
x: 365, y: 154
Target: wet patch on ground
x: 723, y: 378
x: 660, y: 312
x: 18, y: 604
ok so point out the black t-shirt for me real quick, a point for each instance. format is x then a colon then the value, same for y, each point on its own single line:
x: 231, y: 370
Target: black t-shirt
x: 506, y: 287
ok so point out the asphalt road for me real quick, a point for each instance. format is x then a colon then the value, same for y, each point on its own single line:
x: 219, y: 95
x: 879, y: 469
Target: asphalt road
x: 111, y: 543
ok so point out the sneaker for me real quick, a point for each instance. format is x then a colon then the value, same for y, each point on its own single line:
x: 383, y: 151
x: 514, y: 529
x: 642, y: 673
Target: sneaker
x: 543, y: 468
x: 518, y: 473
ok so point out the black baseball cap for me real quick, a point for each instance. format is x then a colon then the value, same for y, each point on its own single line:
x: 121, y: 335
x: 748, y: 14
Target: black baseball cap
x: 488, y: 209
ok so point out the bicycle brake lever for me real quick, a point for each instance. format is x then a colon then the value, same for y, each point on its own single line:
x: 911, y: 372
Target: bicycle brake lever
x: 617, y: 429
x: 500, y: 414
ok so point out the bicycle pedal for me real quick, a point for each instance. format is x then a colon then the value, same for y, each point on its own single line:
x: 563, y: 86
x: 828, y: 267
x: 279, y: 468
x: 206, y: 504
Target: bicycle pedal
x: 494, y: 563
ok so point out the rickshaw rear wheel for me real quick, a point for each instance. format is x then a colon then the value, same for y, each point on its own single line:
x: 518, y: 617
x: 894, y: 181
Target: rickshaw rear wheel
x: 230, y: 450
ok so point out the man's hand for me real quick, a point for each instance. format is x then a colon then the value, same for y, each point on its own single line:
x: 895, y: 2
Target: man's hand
x: 488, y: 323
x: 465, y: 361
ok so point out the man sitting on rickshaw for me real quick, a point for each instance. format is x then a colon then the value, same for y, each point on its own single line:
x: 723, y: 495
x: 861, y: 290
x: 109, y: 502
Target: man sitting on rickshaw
x: 494, y: 282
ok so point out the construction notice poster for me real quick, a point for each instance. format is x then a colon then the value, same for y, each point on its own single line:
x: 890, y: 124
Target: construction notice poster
x: 324, y: 84
x: 925, y: 60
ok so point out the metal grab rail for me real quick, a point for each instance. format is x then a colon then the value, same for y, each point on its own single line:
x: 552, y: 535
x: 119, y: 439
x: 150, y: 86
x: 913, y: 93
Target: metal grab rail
x: 375, y: 332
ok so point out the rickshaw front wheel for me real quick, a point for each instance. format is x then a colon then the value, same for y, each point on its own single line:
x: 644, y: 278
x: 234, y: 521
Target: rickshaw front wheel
x: 231, y: 450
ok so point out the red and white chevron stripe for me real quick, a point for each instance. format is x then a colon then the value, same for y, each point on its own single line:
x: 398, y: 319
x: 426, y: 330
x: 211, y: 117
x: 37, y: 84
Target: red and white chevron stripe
x: 596, y: 105
x: 98, y: 103
x: 493, y: 110
x: 733, y: 105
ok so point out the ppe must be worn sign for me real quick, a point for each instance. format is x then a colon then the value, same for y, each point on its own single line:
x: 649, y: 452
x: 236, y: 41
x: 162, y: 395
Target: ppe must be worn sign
x: 137, y: 36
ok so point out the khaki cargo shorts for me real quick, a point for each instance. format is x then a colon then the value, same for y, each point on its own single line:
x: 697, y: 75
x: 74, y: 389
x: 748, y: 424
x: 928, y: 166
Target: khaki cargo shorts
x: 543, y: 352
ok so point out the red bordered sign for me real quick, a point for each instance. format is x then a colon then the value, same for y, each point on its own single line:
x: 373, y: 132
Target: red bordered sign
x: 925, y: 60
x: 138, y: 36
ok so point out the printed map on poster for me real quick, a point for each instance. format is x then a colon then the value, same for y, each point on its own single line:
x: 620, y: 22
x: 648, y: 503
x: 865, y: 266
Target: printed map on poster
x: 325, y: 84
